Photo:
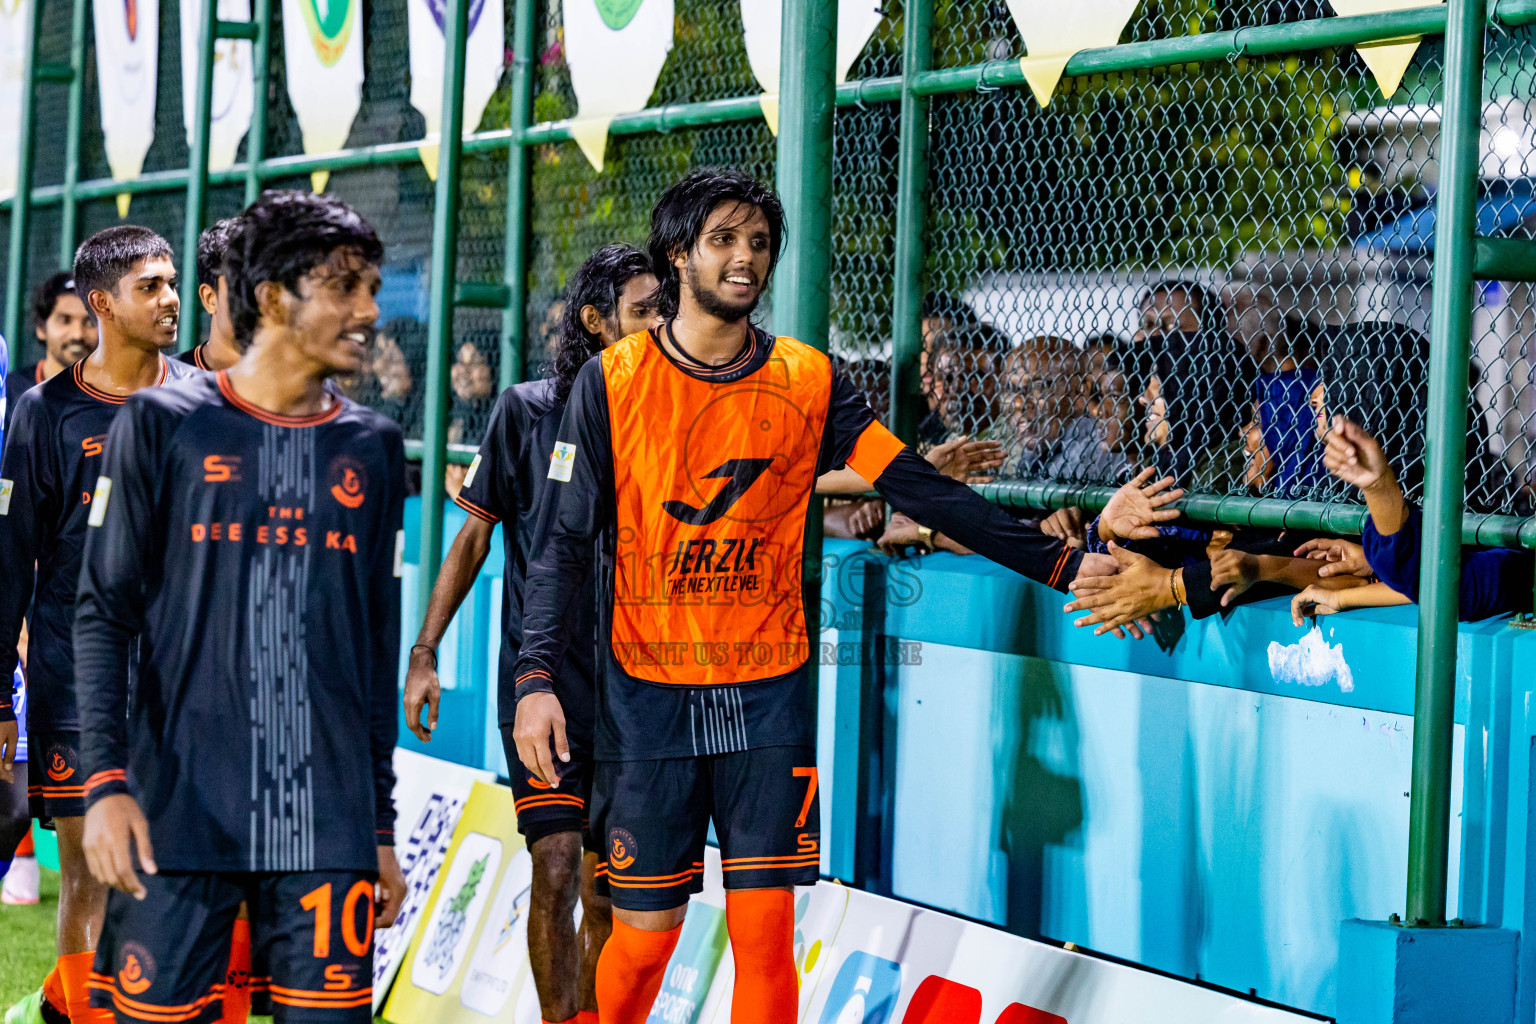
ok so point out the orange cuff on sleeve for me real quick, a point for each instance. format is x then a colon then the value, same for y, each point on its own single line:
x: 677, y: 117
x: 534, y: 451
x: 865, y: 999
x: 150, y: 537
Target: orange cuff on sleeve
x: 874, y: 450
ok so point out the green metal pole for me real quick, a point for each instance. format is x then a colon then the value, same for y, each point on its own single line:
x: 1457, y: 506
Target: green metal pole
x: 802, y: 297
x: 197, y: 178
x: 911, y: 220
x: 514, y: 322
x: 256, y: 138
x: 1450, y: 329
x: 21, y: 205
x: 445, y: 244
x: 69, y: 219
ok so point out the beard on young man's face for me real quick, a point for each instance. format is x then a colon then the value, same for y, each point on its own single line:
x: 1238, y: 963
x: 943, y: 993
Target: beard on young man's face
x: 712, y: 302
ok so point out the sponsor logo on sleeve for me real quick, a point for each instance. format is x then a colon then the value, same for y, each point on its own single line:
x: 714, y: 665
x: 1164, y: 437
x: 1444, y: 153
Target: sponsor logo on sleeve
x: 399, y: 552
x: 474, y: 467
x: 561, y: 461
x: 5, y: 496
x: 99, y: 502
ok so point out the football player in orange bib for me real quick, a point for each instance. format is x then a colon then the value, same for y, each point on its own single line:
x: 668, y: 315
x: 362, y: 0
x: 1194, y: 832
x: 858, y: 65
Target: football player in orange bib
x: 689, y: 453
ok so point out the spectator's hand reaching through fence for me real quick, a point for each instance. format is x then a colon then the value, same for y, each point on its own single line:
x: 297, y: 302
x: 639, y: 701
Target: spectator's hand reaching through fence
x: 867, y: 519
x: 1353, y: 456
x: 1235, y: 570
x: 965, y: 460
x: 1135, y: 509
x: 900, y: 533
x: 1122, y: 596
x: 1343, y: 557
x: 1066, y: 525
x: 1316, y: 601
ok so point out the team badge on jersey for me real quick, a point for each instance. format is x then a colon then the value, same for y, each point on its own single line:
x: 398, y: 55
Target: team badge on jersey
x: 561, y: 461
x: 347, y: 480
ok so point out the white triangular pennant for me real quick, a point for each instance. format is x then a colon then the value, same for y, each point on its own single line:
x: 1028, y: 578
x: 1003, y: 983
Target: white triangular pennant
x: 234, y: 91
x: 484, y: 52
x: 615, y: 50
x: 1053, y: 31
x: 13, y: 56
x: 323, y: 62
x: 127, y: 68
x: 1389, y: 58
x: 762, y: 31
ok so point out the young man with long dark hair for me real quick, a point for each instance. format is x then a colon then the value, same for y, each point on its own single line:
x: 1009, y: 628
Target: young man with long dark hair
x: 609, y: 298
x: 692, y: 450
x: 247, y: 528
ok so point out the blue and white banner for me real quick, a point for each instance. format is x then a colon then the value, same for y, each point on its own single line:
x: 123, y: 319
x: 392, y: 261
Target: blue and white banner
x: 234, y: 89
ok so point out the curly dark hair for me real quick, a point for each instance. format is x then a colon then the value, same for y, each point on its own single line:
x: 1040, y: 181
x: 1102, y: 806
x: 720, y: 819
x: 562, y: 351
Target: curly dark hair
x: 680, y: 214
x: 211, y: 246
x: 598, y: 283
x: 281, y: 237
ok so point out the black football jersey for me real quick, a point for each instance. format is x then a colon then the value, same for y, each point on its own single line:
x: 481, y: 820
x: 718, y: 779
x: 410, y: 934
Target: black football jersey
x: 257, y: 558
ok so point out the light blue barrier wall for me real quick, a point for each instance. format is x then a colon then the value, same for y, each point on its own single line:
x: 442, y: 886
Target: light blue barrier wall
x: 1214, y: 810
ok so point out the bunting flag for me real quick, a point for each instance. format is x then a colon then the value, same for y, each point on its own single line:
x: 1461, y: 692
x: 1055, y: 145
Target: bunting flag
x: 234, y: 90
x: 761, y: 22
x: 127, y: 64
x: 484, y: 52
x: 615, y: 50
x: 1389, y: 58
x: 13, y: 58
x: 323, y: 54
x: 1054, y: 31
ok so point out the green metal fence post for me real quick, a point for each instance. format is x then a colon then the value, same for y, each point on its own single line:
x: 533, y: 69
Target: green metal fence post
x: 21, y: 205
x: 445, y: 244
x: 802, y: 286
x: 911, y: 220
x: 514, y: 322
x: 196, y: 209
x: 69, y: 215
x: 1445, y: 462
x: 256, y: 138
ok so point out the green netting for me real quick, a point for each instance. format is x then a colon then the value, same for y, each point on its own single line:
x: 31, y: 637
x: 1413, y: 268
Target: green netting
x: 1289, y: 201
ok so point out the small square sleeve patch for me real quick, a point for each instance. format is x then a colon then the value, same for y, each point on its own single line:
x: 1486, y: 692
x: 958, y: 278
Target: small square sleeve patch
x: 474, y: 467
x: 99, y: 501
x: 561, y: 461
x: 5, y: 496
x: 399, y: 552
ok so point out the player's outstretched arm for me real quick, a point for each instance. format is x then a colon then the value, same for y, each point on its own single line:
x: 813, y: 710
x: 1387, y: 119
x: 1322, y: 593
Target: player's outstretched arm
x: 384, y: 624
x: 124, y: 533
x: 577, y: 505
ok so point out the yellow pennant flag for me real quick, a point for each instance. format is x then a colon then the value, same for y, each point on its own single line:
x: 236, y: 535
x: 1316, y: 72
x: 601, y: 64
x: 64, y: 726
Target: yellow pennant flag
x: 1388, y: 59
x: 1053, y: 31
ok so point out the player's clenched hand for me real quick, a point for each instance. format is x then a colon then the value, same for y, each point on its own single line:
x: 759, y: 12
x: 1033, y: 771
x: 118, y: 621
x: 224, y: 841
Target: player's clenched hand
x: 10, y: 735
x: 113, y: 827
x: 421, y: 687
x: 389, y: 893
x: 540, y: 719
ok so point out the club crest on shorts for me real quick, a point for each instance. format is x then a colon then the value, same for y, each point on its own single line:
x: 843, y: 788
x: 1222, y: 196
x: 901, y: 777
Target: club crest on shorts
x: 61, y: 762
x: 136, y: 969
x: 621, y: 849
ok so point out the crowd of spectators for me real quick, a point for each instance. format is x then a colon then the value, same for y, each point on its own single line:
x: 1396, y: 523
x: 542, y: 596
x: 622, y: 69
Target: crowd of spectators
x: 1211, y: 394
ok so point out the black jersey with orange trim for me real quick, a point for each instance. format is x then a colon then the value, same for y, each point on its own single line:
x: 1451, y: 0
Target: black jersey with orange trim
x: 257, y: 558
x: 505, y: 484
x: 195, y: 356
x: 699, y: 480
x: 17, y: 383
x: 47, y: 479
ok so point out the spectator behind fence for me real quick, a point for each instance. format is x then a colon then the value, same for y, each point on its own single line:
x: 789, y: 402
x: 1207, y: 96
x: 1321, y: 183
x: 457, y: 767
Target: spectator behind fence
x: 1493, y: 581
x: 1192, y: 409
x: 961, y: 382
x: 1288, y: 461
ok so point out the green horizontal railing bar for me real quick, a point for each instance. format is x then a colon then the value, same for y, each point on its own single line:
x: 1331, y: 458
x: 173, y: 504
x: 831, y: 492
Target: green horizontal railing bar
x: 1504, y: 259
x: 237, y: 30
x: 1260, y: 41
x: 481, y: 295
x: 1267, y: 513
x: 463, y: 454
x: 54, y: 73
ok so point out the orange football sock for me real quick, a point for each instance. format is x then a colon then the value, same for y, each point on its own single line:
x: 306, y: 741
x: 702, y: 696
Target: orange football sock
x: 761, y: 923
x: 237, y: 979
x: 53, y: 990
x: 75, y: 970
x: 630, y: 971
x: 25, y: 848
x: 586, y: 1017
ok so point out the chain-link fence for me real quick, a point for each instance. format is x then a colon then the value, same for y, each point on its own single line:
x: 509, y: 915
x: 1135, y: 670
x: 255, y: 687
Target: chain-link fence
x: 1188, y: 266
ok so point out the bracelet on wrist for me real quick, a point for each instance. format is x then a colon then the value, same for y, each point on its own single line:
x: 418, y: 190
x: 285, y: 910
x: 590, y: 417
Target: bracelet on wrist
x: 430, y: 650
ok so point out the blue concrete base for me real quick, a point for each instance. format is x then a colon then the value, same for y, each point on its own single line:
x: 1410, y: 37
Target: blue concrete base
x: 1389, y: 974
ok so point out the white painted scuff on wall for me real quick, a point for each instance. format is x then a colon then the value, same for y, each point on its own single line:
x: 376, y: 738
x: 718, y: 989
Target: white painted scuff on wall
x: 1312, y: 661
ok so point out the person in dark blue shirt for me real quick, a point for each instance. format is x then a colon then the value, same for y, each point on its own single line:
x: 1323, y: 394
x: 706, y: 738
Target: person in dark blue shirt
x: 247, y: 529
x: 1493, y: 581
